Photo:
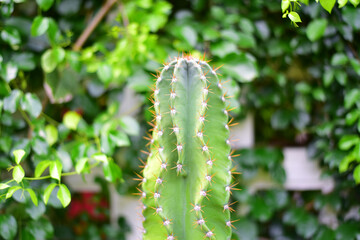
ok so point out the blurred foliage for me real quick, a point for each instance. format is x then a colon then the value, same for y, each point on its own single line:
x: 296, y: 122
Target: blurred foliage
x: 75, y: 109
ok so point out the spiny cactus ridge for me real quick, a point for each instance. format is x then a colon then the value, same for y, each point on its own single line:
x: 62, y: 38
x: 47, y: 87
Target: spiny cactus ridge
x: 186, y: 182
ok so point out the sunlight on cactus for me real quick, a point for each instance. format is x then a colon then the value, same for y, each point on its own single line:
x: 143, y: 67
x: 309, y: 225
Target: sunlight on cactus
x: 186, y: 181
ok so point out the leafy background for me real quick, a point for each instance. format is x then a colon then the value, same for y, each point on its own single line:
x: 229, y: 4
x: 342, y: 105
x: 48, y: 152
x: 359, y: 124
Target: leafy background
x: 64, y: 105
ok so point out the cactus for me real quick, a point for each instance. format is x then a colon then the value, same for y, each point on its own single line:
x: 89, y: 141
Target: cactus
x: 186, y: 180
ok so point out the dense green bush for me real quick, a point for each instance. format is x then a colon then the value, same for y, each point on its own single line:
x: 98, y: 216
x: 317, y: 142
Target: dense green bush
x: 61, y: 106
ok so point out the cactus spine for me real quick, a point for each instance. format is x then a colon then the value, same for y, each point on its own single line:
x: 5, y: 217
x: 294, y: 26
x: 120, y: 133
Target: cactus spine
x: 186, y: 180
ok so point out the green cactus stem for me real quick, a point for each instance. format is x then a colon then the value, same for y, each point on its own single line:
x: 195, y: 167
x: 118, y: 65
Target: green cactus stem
x: 186, y: 181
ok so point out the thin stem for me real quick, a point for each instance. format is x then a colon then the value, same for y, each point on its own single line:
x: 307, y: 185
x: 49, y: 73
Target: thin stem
x: 62, y: 175
x: 90, y: 28
x: 26, y: 118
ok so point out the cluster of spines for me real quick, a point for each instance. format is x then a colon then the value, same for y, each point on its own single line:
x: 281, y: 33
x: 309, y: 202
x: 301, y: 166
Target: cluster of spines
x: 166, y: 123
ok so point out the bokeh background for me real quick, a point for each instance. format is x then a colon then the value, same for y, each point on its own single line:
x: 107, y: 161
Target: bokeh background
x: 295, y: 93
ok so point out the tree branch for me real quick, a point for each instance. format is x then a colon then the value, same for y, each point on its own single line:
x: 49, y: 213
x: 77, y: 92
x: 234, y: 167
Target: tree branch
x: 90, y: 28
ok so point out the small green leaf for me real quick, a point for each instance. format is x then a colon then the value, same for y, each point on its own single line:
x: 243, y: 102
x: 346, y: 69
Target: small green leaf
x: 351, y: 97
x: 356, y: 174
x: 39, y: 26
x: 32, y: 196
x: 9, y: 72
x: 51, y: 58
x: 18, y: 173
x: 100, y: 157
x: 80, y: 165
x: 11, y: 191
x: 11, y: 36
x: 8, y: 226
x: 316, y: 29
x: 55, y: 169
x: 71, y: 120
x: 64, y: 195
x: 119, y: 138
x: 45, y: 4
x: 347, y: 141
x: 48, y: 191
x: 352, y: 116
x: 104, y: 72
x: 356, y: 65
x: 18, y: 154
x: 3, y: 186
x: 339, y: 59
x: 294, y: 17
x: 344, y: 164
x: 40, y: 168
x: 327, y: 4
x: 31, y: 104
x: 112, y: 171
x: 11, y: 102
x: 285, y: 4
x: 355, y: 2
x: 51, y: 134
x: 319, y: 94
x: 342, y: 3
x: 130, y: 125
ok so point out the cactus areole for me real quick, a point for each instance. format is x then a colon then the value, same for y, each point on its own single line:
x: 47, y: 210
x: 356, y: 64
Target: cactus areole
x: 186, y: 181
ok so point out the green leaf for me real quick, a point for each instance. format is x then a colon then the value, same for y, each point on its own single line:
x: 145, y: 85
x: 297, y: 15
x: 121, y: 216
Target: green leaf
x: 342, y: 3
x: 112, y: 171
x: 11, y: 36
x: 100, y: 157
x: 352, y: 116
x: 51, y: 134
x: 51, y: 58
x: 55, y: 169
x: 355, y: 2
x: 40, y: 168
x: 71, y: 120
x: 281, y: 119
x: 347, y: 141
x: 18, y: 173
x: 64, y: 195
x: 344, y: 164
x: 24, y: 60
x: 32, y: 196
x: 119, y: 138
x: 11, y: 102
x: 189, y: 35
x: 80, y: 165
x: 327, y: 4
x: 11, y: 191
x: 3, y: 186
x: 307, y: 226
x: 294, y: 17
x: 39, y: 26
x: 351, y: 97
x: 325, y: 234
x: 130, y: 125
x: 61, y: 84
x: 356, y: 65
x: 316, y: 29
x: 48, y: 191
x: 8, y: 226
x: 35, y: 212
x: 319, y: 94
x: 339, y: 59
x: 18, y: 154
x: 9, y: 72
x: 285, y: 4
x: 31, y: 104
x: 45, y: 4
x: 104, y: 72
x: 356, y: 174
x: 328, y: 77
